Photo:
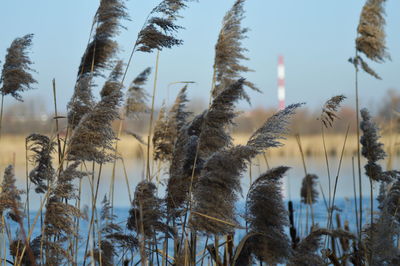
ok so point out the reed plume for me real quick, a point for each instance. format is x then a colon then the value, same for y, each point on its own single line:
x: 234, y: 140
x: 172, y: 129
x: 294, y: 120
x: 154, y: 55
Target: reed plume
x: 229, y: 51
x: 82, y: 101
x: 146, y: 215
x: 160, y: 28
x: 308, y: 192
x: 371, y: 32
x: 16, y: 75
x: 10, y: 197
x: 93, y: 138
x: 372, y: 149
x: 113, y: 237
x: 216, y: 191
x: 198, y: 140
x: 60, y: 215
x: 329, y: 110
x: 184, y: 159
x: 273, y: 130
x: 161, y: 140
x: 379, y: 242
x: 102, y: 48
x: 17, y: 246
x: 43, y: 173
x: 168, y: 126
x: 391, y: 201
x: 305, y: 253
x: 380, y: 237
x: 243, y: 253
x: 358, y: 61
x: 267, y: 217
x: 220, y: 115
x: 178, y: 114
x: 136, y: 98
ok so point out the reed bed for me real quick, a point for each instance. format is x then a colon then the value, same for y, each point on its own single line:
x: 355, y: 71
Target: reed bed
x: 131, y: 149
x: 185, y: 210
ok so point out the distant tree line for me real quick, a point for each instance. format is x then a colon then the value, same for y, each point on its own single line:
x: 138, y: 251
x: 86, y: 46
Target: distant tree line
x: 32, y: 116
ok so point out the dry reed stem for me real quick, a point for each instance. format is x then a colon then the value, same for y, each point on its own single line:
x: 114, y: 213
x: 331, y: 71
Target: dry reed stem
x: 337, y: 178
x: 152, y: 116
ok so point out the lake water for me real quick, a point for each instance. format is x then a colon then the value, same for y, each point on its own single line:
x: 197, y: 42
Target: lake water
x: 291, y: 185
x: 292, y: 181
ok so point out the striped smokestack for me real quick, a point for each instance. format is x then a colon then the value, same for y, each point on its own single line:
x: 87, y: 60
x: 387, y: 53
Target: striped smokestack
x: 281, y: 82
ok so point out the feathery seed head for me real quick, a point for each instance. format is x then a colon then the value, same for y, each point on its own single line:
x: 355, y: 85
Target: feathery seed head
x: 371, y: 32
x: 16, y: 74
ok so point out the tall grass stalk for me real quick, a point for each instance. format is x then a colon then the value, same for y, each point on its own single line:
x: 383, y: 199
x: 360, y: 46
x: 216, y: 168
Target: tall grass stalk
x: 327, y: 165
x: 358, y: 148
x: 309, y: 200
x: 27, y: 183
x: 94, y: 201
x: 337, y: 178
x: 355, y: 195
x: 56, y: 117
x: 78, y: 205
x: 126, y: 180
x: 148, y: 174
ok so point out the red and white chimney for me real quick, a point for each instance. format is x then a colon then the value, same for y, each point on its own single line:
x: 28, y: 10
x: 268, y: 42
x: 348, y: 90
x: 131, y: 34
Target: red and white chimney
x: 281, y: 82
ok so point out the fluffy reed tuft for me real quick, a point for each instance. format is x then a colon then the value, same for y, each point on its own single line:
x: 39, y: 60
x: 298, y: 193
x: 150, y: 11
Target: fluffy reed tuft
x: 220, y: 114
x: 274, y: 130
x: 17, y: 246
x: 217, y: 189
x: 379, y: 241
x: 229, y: 51
x: 146, y: 215
x: 391, y: 201
x: 93, y: 138
x: 329, y: 110
x: 181, y: 169
x: 10, y: 196
x: 60, y: 215
x: 372, y: 149
x: 198, y: 140
x: 136, y: 98
x: 82, y: 101
x: 380, y: 238
x: 371, y: 32
x: 178, y: 114
x: 16, y: 74
x: 43, y: 173
x: 167, y: 127
x: 161, y: 140
x: 358, y: 61
x: 159, y: 30
x: 267, y: 217
x: 112, y: 237
x: 102, y: 48
x: 305, y: 253
x: 308, y: 192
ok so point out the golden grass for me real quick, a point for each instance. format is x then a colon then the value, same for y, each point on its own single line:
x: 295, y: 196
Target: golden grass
x: 13, y: 147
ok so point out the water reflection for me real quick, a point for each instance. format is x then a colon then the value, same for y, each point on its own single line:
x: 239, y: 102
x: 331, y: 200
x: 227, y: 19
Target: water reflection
x: 291, y: 183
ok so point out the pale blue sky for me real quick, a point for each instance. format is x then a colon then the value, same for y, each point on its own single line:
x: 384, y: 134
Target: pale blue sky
x: 315, y: 36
